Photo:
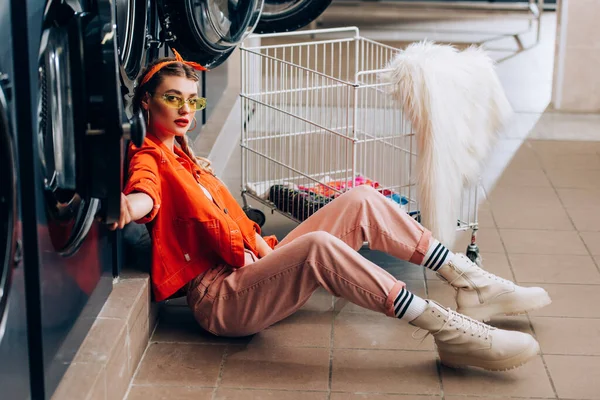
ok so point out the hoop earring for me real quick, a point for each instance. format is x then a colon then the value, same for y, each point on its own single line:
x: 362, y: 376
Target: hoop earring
x: 147, y: 117
x: 195, y: 124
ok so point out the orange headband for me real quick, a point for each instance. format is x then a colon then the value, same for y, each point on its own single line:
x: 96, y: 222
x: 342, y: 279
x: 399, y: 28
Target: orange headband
x: 178, y: 58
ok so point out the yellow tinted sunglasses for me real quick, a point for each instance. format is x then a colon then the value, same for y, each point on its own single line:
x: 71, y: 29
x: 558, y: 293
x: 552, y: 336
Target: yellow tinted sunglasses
x: 175, y: 101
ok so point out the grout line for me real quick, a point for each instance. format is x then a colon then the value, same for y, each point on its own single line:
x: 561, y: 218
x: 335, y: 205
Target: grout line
x: 569, y: 215
x: 506, y: 253
x: 220, y: 376
x: 544, y: 170
x: 331, y: 346
x: 166, y: 385
x: 137, y: 368
x: 438, y: 366
x: 543, y: 360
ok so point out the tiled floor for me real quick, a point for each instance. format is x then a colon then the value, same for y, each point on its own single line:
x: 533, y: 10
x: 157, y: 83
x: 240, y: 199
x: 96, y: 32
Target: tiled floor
x: 533, y: 234
x: 540, y: 224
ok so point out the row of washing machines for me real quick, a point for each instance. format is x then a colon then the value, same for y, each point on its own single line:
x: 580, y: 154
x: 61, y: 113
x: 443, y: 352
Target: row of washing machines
x: 67, y: 70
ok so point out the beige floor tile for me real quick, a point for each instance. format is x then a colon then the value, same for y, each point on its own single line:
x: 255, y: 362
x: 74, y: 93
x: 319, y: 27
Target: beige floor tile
x: 540, y: 217
x: 559, y: 125
x: 497, y: 264
x: 488, y: 240
x: 579, y: 198
x: 365, y: 331
x: 385, y: 371
x: 486, y: 398
x: 575, y: 377
x: 485, y: 219
x: 584, y: 179
x: 253, y: 394
x: 558, y: 147
x: 592, y: 241
x: 321, y: 300
x: 570, y: 161
x: 523, y: 197
x: 529, y: 380
x: 301, y: 329
x: 180, y: 364
x: 530, y: 268
x: 153, y: 392
x: 571, y: 301
x: 568, y: 336
x: 290, y: 368
x: 523, y: 157
x: 523, y: 178
x: 525, y: 241
x: 585, y: 219
x: 372, y: 396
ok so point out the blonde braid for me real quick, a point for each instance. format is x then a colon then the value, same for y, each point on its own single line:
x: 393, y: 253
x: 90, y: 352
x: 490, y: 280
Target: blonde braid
x: 201, y: 162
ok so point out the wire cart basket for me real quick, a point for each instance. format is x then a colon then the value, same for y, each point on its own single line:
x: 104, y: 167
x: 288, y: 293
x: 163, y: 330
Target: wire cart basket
x: 316, y: 121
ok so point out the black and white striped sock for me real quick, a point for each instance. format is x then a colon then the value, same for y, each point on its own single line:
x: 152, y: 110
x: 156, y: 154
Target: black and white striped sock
x: 436, y: 256
x: 408, y: 306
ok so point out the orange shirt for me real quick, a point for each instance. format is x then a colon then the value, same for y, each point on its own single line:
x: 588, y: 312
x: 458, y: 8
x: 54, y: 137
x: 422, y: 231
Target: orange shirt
x: 190, y: 233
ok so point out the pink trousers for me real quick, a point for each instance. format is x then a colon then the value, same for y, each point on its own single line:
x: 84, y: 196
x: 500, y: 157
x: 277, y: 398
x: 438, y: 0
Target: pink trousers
x: 322, y: 251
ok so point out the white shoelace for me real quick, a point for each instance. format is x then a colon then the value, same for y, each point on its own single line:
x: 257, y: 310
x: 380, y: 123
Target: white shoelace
x: 461, y: 323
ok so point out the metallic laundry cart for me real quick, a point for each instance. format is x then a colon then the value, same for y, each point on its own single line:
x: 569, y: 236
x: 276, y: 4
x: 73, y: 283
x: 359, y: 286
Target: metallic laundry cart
x: 317, y: 121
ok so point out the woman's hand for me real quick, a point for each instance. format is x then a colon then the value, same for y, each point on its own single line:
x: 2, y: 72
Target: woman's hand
x: 125, y: 216
x: 133, y: 207
x: 262, y: 246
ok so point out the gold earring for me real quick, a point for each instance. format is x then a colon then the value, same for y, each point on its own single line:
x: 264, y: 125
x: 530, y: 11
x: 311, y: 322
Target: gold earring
x: 195, y: 124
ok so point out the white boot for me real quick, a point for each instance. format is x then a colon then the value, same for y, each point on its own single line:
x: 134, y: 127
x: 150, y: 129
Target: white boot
x: 481, y: 295
x: 462, y: 341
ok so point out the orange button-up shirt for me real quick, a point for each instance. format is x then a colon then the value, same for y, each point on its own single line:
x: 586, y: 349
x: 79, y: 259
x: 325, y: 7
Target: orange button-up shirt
x: 190, y: 232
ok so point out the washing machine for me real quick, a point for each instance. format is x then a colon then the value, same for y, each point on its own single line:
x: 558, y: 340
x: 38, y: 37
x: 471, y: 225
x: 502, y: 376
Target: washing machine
x: 70, y: 159
x: 14, y: 354
x: 208, y: 31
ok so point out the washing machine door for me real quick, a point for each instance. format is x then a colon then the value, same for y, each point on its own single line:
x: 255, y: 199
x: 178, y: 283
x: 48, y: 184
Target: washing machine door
x: 207, y: 31
x: 80, y: 120
x: 8, y: 203
x: 132, y: 18
x: 289, y: 15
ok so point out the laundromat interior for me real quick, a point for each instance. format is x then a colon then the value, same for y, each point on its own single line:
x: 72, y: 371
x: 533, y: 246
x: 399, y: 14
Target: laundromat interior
x: 298, y: 111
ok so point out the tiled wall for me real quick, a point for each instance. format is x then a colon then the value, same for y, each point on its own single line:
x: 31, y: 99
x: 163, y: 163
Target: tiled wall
x: 576, y: 86
x: 110, y: 353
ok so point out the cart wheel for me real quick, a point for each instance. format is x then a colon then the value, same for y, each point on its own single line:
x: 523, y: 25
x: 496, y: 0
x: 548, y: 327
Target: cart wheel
x: 473, y: 254
x: 255, y: 215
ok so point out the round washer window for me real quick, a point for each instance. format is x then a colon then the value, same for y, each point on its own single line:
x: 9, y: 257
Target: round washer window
x: 289, y: 15
x: 208, y: 31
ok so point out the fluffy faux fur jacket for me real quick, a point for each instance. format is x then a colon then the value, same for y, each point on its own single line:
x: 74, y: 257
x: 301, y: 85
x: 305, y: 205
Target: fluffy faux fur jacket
x: 457, y: 107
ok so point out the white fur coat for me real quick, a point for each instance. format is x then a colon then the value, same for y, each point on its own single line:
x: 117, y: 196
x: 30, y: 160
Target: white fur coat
x: 457, y: 107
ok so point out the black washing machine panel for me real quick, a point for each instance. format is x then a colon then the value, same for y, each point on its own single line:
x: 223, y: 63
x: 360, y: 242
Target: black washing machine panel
x: 289, y: 15
x: 77, y: 141
x: 14, y: 352
x: 207, y: 32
